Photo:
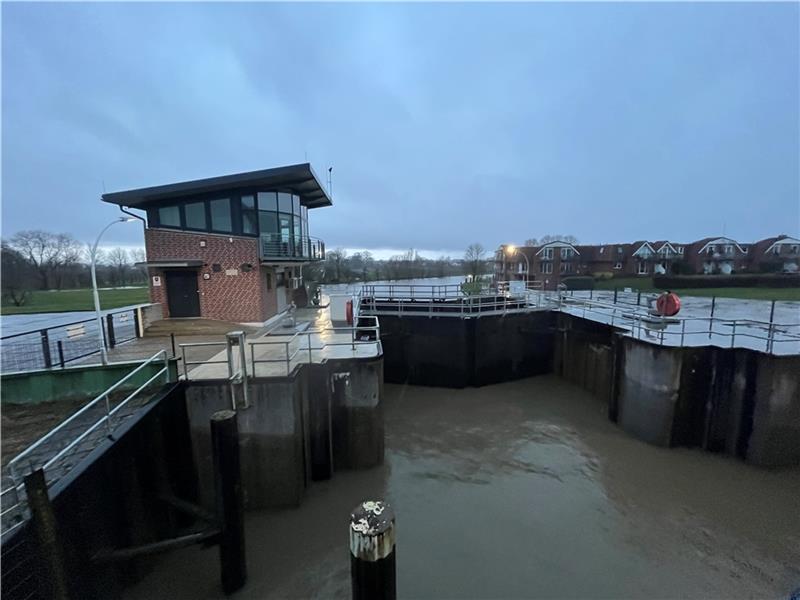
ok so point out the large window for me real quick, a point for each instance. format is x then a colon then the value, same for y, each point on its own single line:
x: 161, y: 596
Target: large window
x: 249, y: 215
x: 169, y: 216
x: 195, y: 214
x: 221, y: 215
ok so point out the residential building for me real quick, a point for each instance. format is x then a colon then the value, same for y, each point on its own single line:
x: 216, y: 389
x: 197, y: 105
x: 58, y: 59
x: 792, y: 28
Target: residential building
x: 552, y: 262
x: 230, y: 248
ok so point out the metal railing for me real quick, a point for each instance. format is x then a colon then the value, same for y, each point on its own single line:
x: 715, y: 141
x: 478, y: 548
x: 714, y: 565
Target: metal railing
x: 59, y: 345
x: 359, y: 335
x: 55, y: 446
x: 290, y: 247
x: 625, y: 312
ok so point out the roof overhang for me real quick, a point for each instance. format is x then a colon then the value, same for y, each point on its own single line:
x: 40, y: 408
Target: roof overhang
x: 297, y: 179
x: 721, y: 241
x: 558, y: 244
x: 787, y: 240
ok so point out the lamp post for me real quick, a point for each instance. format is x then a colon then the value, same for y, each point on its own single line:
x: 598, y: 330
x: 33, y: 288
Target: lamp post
x: 103, y: 353
x: 511, y: 251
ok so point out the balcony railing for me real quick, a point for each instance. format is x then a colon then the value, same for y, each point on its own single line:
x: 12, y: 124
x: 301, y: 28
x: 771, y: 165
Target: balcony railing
x: 277, y: 246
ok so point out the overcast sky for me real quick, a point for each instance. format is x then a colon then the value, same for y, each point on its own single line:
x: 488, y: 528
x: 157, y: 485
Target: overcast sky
x: 445, y: 123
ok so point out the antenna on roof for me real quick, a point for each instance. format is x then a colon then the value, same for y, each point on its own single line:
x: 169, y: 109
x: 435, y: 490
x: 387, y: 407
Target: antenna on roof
x: 330, y: 182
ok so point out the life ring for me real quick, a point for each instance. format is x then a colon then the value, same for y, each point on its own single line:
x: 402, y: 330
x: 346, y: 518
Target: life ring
x: 668, y: 304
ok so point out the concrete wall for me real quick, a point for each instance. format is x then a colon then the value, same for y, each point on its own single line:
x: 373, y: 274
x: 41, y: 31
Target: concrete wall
x: 72, y: 383
x: 775, y: 437
x: 296, y: 429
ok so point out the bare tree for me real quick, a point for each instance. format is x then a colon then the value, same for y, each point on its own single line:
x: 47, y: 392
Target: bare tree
x: 17, y: 275
x: 475, y: 259
x: 531, y: 242
x: 52, y: 255
x: 120, y: 263
x: 570, y: 239
x: 139, y: 258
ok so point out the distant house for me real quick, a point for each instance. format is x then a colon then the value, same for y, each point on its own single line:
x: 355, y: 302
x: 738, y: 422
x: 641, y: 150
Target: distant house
x: 777, y: 254
x: 231, y: 247
x: 718, y: 255
x: 554, y: 261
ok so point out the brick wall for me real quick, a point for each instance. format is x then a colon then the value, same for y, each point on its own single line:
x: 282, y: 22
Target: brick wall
x: 240, y: 298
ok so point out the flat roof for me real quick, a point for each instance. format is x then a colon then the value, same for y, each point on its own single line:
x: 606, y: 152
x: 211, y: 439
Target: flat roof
x: 298, y: 179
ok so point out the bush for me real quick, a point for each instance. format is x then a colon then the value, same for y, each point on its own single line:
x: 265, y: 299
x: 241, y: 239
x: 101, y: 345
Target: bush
x: 603, y: 275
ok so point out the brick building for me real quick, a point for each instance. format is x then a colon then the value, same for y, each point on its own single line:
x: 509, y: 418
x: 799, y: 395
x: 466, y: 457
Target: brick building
x: 230, y: 248
x: 551, y: 262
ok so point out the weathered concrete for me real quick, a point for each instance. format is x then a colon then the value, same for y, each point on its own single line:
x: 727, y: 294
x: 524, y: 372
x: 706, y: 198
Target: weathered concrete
x: 649, y: 388
x: 296, y: 429
x: 358, y: 415
x: 775, y: 437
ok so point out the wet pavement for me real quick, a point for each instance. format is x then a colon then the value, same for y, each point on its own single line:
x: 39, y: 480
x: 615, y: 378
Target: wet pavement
x: 524, y: 489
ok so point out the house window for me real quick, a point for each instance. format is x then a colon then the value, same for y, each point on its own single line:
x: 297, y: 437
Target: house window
x: 618, y: 266
x: 711, y: 249
x: 169, y: 216
x: 729, y: 249
x: 195, y: 214
x: 642, y: 268
x: 776, y: 250
x: 284, y: 202
x: 619, y: 250
x: 221, y: 215
x: 566, y: 253
x: 249, y: 215
x: 546, y: 268
x: 793, y: 249
x: 680, y: 249
x: 565, y: 268
x: 548, y: 254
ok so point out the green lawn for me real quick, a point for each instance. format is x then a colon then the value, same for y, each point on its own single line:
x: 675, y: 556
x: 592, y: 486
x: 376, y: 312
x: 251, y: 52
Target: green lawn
x: 645, y: 284
x: 69, y: 300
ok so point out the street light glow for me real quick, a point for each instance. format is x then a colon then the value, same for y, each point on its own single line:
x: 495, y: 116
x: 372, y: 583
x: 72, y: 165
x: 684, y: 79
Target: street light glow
x: 511, y: 248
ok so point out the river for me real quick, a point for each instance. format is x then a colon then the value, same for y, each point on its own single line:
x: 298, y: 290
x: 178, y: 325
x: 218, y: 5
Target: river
x: 524, y: 489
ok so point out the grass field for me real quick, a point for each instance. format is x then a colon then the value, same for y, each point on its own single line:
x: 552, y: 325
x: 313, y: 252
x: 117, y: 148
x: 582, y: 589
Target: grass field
x: 645, y: 284
x: 42, y: 301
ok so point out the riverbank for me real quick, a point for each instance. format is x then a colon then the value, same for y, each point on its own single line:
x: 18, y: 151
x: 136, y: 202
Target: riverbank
x: 54, y: 301
x: 524, y: 489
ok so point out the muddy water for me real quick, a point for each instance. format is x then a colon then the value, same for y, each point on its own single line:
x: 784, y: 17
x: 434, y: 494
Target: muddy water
x: 525, y: 490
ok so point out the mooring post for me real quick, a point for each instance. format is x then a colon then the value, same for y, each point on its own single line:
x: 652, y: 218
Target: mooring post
x: 54, y: 577
x: 372, y: 552
x: 230, y: 505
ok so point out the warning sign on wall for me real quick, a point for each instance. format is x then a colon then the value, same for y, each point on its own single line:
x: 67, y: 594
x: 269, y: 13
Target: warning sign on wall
x: 156, y: 280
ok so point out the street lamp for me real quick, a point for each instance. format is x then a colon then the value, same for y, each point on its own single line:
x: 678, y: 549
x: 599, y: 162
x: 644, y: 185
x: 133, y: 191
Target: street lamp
x: 103, y: 353
x: 511, y: 250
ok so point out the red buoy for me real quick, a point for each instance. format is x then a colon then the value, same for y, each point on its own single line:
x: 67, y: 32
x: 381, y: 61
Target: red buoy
x: 668, y: 304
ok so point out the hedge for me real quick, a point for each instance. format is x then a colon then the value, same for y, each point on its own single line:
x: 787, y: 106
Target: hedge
x: 668, y: 282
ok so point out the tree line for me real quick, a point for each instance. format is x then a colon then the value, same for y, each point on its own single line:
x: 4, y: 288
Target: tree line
x: 41, y: 260
x: 341, y: 267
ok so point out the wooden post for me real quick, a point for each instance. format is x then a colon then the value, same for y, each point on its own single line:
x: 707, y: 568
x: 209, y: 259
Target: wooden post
x: 54, y: 577
x: 372, y: 552
x: 230, y: 505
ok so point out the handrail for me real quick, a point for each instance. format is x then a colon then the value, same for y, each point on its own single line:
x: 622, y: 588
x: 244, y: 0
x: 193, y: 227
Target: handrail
x: 160, y: 355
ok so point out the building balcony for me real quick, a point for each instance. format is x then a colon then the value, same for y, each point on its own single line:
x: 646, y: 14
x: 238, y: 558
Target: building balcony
x: 277, y: 247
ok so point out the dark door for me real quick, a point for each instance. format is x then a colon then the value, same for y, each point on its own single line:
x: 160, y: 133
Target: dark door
x: 183, y: 298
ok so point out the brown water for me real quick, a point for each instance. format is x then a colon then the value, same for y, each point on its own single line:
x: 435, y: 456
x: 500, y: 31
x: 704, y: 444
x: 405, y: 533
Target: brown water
x: 525, y: 489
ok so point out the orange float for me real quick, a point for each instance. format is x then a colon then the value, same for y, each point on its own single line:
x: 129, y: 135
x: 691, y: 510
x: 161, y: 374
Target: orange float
x: 668, y: 304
